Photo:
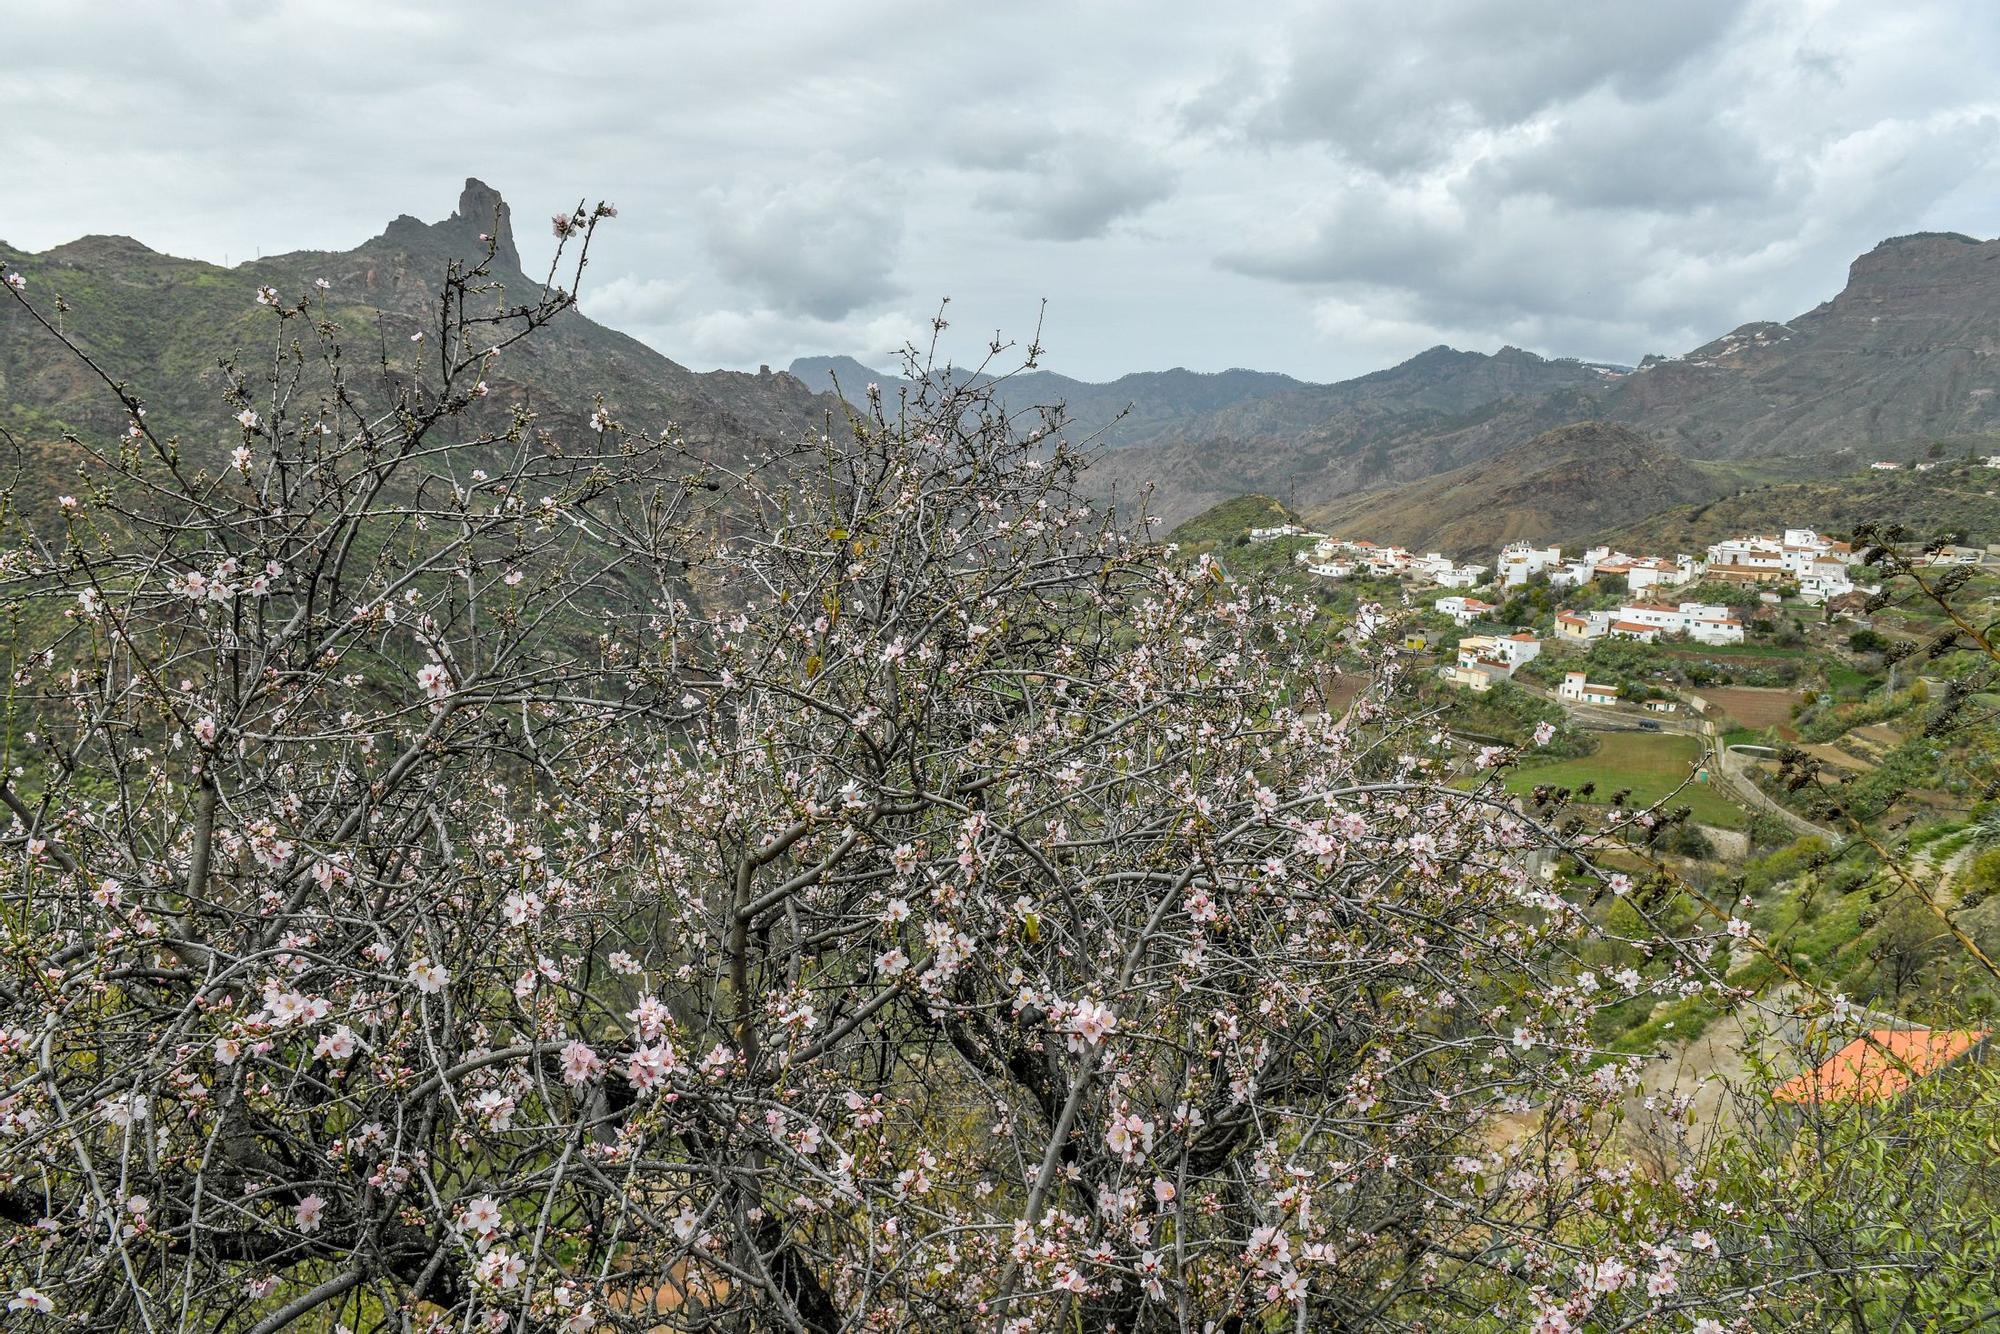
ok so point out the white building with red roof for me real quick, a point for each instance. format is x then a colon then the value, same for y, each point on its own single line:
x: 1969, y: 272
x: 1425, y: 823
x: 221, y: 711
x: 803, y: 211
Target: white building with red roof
x: 1703, y: 622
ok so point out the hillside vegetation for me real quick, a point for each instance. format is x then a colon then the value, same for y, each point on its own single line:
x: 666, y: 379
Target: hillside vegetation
x: 1956, y: 500
x: 1561, y: 486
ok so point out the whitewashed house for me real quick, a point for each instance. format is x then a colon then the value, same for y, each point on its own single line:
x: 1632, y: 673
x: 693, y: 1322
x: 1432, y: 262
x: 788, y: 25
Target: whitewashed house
x: 1427, y: 566
x: 1386, y: 561
x: 1704, y: 622
x: 1644, y: 572
x: 1509, y: 651
x: 1818, y: 565
x: 1620, y: 628
x: 1578, y: 688
x: 1484, y: 659
x: 1281, y: 530
x: 1464, y: 610
x: 1462, y: 576
x: 1520, y: 561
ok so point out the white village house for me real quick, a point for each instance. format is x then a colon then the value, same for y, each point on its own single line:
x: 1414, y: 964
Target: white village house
x: 1281, y: 530
x: 1818, y: 565
x: 1484, y: 659
x: 1336, y: 558
x: 1519, y: 561
x: 1464, y: 610
x: 1643, y: 572
x: 1462, y: 576
x: 1578, y: 688
x: 1510, y: 651
x: 1703, y: 622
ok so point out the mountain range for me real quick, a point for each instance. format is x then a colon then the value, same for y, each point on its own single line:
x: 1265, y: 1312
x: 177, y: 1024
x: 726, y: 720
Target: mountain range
x: 1903, y: 354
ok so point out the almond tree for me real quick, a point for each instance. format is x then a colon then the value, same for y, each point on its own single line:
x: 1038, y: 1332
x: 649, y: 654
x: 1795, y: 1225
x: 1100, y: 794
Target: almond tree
x: 466, y: 873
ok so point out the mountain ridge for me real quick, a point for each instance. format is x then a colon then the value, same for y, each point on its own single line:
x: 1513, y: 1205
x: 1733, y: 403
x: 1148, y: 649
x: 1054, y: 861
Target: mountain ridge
x: 165, y: 323
x: 1907, y: 351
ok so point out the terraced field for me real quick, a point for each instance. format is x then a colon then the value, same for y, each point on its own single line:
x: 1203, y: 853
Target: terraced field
x: 1752, y: 706
x: 1650, y: 764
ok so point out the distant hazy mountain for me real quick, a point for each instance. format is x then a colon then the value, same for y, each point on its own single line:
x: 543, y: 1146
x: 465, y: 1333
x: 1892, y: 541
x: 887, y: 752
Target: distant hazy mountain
x: 1202, y: 438
x: 1307, y: 448
x: 1909, y: 349
x: 1154, y: 404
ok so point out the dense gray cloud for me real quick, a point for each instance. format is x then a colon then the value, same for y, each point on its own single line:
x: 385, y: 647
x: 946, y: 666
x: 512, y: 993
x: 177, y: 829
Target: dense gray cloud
x: 1302, y: 186
x: 823, y: 245
x: 1400, y: 87
x: 1079, y: 187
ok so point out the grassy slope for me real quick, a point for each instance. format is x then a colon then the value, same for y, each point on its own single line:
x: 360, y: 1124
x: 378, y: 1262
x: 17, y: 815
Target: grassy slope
x: 1650, y: 764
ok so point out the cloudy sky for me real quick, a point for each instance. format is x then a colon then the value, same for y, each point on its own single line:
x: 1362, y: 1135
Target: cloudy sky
x: 1319, y: 188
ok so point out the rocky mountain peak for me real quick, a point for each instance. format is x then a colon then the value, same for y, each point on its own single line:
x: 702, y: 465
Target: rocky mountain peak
x: 1918, y: 256
x: 480, y: 206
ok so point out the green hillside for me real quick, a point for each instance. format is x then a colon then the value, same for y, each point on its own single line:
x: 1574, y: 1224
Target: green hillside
x: 1232, y: 519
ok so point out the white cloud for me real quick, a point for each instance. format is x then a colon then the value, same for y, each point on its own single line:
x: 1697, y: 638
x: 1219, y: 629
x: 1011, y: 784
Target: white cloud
x: 1608, y: 196
x: 626, y: 301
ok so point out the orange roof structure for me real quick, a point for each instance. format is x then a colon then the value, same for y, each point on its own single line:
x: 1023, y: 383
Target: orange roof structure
x: 1880, y: 1065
